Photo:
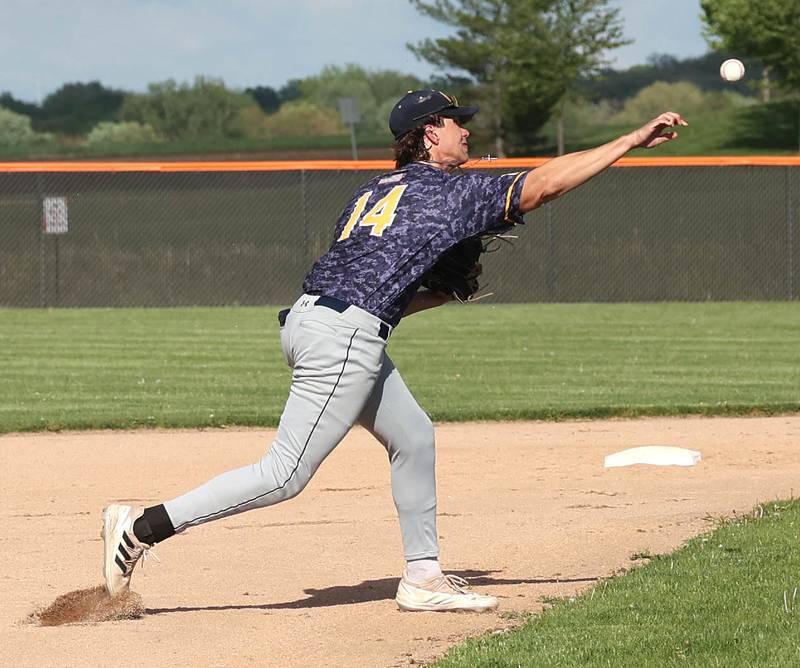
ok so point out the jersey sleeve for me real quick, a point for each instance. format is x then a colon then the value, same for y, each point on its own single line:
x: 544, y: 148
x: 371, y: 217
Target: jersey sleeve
x: 484, y: 203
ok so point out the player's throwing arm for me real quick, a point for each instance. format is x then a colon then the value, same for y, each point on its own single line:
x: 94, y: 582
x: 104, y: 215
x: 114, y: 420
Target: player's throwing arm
x: 560, y: 175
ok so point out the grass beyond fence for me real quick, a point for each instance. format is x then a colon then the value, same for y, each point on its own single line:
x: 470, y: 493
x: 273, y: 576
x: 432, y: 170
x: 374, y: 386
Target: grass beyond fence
x: 731, y: 598
x: 225, y: 148
x: 199, y: 367
x: 757, y: 129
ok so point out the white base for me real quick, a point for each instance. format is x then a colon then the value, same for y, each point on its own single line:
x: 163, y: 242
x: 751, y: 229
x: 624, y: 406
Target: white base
x: 657, y: 455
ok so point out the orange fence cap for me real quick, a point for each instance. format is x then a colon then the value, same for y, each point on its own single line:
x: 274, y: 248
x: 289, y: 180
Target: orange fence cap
x: 377, y: 165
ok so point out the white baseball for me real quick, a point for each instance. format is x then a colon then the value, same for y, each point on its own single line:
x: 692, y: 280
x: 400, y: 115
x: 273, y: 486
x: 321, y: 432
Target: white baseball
x: 732, y: 69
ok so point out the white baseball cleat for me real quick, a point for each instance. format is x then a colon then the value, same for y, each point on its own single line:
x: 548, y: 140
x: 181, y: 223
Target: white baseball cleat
x: 122, y: 548
x: 445, y: 593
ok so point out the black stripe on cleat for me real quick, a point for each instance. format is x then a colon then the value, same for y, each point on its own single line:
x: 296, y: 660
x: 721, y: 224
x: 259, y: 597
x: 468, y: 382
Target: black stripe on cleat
x: 124, y: 553
x: 127, y: 540
x: 121, y: 565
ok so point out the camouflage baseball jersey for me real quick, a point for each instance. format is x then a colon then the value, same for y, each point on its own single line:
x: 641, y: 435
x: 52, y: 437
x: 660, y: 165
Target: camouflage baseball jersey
x: 398, y: 224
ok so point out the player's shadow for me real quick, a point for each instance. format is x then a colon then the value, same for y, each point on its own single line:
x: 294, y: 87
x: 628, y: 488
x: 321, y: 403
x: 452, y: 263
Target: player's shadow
x: 366, y: 592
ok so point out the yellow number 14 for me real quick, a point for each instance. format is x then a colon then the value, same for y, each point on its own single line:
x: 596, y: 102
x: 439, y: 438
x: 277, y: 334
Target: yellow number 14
x: 379, y: 217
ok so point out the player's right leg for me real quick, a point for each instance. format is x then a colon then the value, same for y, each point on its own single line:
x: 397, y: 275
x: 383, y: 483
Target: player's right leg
x: 336, y: 359
x: 395, y: 418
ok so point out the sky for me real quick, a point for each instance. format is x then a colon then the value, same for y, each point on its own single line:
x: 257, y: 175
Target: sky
x: 127, y: 44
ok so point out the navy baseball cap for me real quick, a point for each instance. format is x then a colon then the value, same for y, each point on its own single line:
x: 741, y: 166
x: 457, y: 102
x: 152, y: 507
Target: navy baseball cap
x: 418, y: 105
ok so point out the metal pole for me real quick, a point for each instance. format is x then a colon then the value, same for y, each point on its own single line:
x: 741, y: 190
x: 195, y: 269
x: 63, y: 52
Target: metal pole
x: 58, y: 280
x: 790, y: 221
x: 42, y: 246
x: 42, y: 275
x: 310, y: 252
x: 551, y: 252
x: 353, y: 146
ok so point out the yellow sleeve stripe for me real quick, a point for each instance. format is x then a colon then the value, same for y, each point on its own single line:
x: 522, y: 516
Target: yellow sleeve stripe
x: 508, y: 195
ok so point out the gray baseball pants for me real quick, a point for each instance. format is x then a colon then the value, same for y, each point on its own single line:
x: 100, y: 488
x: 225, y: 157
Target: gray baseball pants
x: 341, y: 376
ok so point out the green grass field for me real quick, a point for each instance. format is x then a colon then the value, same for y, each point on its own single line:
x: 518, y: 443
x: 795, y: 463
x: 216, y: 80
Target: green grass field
x: 730, y: 598
x: 202, y: 367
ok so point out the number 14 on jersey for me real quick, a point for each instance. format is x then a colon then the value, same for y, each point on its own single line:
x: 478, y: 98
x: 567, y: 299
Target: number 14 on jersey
x: 379, y: 217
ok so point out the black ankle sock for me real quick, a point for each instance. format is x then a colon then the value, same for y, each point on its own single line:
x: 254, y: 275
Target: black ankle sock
x: 153, y: 526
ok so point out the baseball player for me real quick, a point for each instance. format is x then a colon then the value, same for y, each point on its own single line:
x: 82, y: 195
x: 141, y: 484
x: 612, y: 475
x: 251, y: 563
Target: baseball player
x: 334, y: 338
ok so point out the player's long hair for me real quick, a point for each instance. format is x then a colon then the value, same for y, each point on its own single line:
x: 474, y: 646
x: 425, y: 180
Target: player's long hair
x: 411, y: 146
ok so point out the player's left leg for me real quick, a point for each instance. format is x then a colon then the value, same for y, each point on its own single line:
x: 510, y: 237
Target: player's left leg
x: 395, y: 418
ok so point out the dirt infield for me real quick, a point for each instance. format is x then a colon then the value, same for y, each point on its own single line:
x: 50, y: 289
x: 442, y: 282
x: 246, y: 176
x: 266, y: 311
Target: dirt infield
x: 526, y: 510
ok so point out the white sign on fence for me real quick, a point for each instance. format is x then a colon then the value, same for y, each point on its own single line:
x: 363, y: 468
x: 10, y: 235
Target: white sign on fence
x: 55, y: 219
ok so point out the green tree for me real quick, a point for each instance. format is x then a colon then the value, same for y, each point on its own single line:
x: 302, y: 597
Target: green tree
x: 333, y: 82
x: 298, y: 118
x: 205, y: 108
x: 267, y: 98
x: 375, y: 92
x: 525, y: 56
x: 76, y: 107
x: 29, y: 109
x: 391, y: 85
x: 290, y: 91
x: 703, y: 71
x: 679, y: 95
x: 477, y: 48
x: 15, y: 129
x: 127, y: 132
x: 767, y: 29
x: 581, y: 33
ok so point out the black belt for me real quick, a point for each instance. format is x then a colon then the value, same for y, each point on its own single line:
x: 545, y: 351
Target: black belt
x: 340, y: 307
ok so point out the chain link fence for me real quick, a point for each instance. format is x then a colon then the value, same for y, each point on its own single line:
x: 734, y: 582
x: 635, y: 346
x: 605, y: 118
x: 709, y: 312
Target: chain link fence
x: 106, y: 239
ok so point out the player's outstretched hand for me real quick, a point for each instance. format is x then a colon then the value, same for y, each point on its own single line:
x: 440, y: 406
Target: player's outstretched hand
x: 652, y: 134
